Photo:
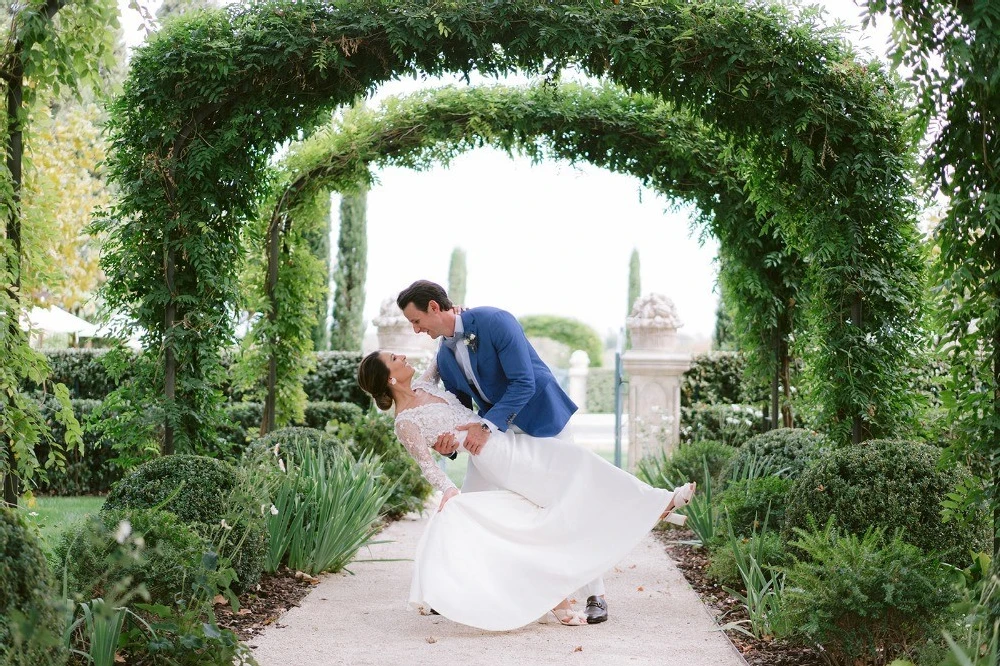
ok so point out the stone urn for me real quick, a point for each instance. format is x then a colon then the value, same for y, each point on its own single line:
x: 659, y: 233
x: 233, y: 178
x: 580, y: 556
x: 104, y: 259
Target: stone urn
x: 653, y: 323
x: 395, y: 333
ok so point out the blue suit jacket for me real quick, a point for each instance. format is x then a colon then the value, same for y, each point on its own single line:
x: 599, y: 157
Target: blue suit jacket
x: 519, y: 388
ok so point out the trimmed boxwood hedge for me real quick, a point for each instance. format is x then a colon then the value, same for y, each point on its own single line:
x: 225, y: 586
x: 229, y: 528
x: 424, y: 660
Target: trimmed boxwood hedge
x: 334, y: 379
x: 893, y: 484
x: 89, y: 474
x: 81, y: 370
x: 31, y: 625
x: 718, y: 378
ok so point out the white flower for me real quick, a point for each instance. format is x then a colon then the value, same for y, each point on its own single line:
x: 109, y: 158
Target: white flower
x: 276, y: 449
x: 124, y: 530
x: 281, y: 464
x: 225, y: 525
x: 274, y: 510
x: 33, y: 514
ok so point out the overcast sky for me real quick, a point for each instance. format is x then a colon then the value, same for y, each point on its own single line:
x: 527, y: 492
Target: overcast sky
x: 552, y: 238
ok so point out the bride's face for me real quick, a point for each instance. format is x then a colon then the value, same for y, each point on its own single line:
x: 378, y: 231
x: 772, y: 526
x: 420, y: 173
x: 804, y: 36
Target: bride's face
x: 398, y: 366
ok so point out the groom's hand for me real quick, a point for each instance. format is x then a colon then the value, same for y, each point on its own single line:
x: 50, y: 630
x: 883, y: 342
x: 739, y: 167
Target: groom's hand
x: 446, y: 444
x: 475, y: 437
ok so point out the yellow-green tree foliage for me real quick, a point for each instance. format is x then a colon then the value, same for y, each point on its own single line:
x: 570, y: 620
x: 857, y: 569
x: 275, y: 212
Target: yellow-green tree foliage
x: 64, y: 185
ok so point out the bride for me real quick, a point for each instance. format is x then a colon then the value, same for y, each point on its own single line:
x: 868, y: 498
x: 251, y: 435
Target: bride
x: 498, y: 560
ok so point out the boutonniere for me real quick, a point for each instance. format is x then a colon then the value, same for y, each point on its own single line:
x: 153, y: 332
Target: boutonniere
x: 471, y: 341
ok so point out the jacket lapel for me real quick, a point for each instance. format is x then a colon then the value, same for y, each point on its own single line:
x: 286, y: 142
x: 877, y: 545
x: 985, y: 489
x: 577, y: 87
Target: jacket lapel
x: 469, y: 324
x: 450, y: 371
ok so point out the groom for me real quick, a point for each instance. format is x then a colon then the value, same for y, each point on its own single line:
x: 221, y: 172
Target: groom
x: 485, y: 357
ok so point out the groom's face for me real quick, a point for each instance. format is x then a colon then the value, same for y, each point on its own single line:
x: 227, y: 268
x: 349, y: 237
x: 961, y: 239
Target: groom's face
x: 431, y: 322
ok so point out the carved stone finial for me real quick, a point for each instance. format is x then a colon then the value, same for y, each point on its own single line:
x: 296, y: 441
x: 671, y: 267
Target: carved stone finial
x: 653, y: 323
x: 389, y: 314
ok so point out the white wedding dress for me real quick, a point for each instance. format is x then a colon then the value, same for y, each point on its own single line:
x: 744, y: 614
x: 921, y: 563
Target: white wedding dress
x: 498, y: 560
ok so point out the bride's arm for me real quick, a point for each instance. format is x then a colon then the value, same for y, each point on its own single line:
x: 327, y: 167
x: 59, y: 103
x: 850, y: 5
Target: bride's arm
x: 409, y: 434
x: 431, y: 374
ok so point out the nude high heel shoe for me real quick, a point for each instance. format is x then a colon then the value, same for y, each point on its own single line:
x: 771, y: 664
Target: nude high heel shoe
x: 682, y: 497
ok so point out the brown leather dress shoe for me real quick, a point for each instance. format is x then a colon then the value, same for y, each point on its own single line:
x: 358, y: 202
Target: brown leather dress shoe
x: 597, y: 610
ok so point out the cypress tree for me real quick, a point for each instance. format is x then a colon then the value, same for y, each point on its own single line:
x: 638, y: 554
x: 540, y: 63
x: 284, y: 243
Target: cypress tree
x: 319, y: 242
x: 457, y: 276
x: 349, y: 276
x: 634, y: 289
x: 634, y: 286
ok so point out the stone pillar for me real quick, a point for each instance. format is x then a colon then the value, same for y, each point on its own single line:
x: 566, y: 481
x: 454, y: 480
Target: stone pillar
x: 579, y: 368
x: 654, y: 368
x: 396, y: 334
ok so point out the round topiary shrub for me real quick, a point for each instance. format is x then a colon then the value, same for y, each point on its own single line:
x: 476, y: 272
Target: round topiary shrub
x: 202, y: 492
x: 752, y: 505
x: 292, y: 439
x: 195, y: 488
x: 891, y: 484
x: 784, y: 451
x: 150, y: 547
x: 31, y: 624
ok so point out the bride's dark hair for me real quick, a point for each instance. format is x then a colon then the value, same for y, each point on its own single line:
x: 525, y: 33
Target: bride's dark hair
x: 373, y: 378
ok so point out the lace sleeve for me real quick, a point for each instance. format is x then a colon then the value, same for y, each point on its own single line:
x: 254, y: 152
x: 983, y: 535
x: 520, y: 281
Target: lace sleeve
x: 431, y: 374
x: 409, y: 435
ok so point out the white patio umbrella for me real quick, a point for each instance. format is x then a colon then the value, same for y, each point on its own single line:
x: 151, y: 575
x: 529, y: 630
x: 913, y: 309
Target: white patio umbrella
x: 54, y: 319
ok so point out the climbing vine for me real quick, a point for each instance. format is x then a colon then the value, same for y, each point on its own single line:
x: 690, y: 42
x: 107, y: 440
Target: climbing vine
x: 816, y: 139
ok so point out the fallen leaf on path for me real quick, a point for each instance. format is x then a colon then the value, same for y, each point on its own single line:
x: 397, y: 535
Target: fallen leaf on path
x: 578, y: 648
x: 244, y: 611
x: 431, y: 639
x: 220, y: 600
x: 640, y: 588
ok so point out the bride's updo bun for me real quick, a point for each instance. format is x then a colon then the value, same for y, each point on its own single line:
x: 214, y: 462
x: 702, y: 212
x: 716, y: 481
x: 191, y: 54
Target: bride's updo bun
x: 373, y: 378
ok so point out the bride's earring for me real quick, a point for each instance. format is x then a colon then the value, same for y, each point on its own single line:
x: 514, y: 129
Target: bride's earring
x: 392, y: 380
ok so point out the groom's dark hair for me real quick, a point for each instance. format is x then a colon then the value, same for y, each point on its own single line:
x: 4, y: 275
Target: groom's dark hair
x: 422, y: 292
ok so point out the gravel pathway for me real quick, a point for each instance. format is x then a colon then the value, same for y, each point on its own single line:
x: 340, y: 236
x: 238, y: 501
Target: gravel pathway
x: 364, y: 619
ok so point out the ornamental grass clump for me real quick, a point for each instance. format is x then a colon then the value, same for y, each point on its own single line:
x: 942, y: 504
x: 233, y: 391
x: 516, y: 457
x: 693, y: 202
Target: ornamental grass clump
x: 31, y: 618
x: 685, y: 463
x: 895, y: 484
x: 865, y: 600
x: 325, y: 506
x: 374, y: 434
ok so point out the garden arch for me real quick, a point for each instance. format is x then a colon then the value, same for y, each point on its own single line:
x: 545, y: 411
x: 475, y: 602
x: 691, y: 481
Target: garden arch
x: 207, y: 101
x: 639, y: 135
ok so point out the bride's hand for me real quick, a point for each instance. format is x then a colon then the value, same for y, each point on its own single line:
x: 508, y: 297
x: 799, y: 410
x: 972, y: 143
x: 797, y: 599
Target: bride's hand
x: 448, y: 494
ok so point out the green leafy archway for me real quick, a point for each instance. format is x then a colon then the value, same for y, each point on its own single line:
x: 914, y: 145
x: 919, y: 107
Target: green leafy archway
x: 639, y: 135
x: 208, y: 100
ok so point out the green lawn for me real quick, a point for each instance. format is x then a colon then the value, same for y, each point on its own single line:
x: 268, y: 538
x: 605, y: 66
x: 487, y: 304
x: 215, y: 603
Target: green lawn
x: 56, y: 513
